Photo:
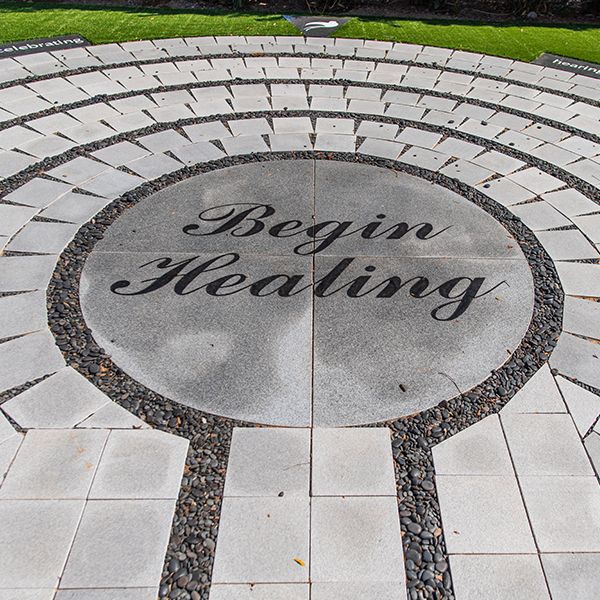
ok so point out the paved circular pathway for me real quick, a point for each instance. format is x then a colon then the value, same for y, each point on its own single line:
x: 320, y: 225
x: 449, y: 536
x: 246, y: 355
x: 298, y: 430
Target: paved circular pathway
x: 311, y: 234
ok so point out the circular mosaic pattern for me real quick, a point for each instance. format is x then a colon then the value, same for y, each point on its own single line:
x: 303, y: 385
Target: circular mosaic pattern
x: 307, y: 292
x: 92, y: 135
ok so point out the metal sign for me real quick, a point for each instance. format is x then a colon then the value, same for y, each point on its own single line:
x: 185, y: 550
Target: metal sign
x: 62, y: 42
x: 317, y: 26
x: 572, y: 65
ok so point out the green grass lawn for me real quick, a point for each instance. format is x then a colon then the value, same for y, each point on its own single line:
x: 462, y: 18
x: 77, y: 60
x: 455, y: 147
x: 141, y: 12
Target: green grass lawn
x: 20, y: 21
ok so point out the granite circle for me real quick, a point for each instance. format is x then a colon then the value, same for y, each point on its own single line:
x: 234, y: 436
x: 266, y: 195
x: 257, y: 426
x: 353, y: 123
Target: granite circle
x: 307, y: 292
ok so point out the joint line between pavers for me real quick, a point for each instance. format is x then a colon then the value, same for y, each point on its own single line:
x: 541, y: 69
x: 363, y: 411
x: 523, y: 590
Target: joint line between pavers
x: 312, y: 388
x: 595, y: 469
x: 514, y: 468
x: 87, y: 499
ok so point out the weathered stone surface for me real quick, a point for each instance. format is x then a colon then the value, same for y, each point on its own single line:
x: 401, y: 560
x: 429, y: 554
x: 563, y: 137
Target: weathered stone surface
x: 412, y: 272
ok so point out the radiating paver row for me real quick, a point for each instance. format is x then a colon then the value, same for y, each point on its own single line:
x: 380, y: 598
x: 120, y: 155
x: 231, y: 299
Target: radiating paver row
x: 106, y: 490
x: 309, y: 508
x: 519, y: 496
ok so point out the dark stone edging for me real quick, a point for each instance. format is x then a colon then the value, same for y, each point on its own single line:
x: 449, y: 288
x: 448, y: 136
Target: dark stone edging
x: 191, y: 550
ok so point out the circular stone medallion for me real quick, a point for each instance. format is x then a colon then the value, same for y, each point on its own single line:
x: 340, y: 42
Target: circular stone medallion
x: 307, y: 292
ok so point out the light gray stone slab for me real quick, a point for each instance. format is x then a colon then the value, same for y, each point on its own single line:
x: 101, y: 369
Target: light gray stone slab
x: 54, y: 465
x: 292, y: 125
x: 467, y: 172
x: 539, y: 395
x: 60, y: 401
x: 8, y: 450
x: 78, y: 170
x: 483, y: 515
x: 459, y: 148
x: 268, y: 462
x: 12, y: 218
x: 572, y: 576
x: 250, y: 127
x: 539, y: 216
x: 22, y: 313
x: 260, y: 540
x: 128, y: 540
x: 554, y: 154
x: 564, y: 512
x: 16, y: 136
x: 43, y: 237
x: 592, y: 445
x: 27, y: 594
x: 356, y: 539
x: 289, y: 142
x: 198, y: 153
x: 108, y: 594
x: 154, y: 166
x: 35, y: 539
x: 382, y: 148
x: 202, y: 132
x: 426, y: 159
x: 333, y: 142
x: 250, y: 104
x: 6, y: 429
x: 130, y: 121
x: 207, y: 108
x: 590, y: 225
x: 21, y: 273
x: 112, y: 416
x: 545, y: 445
x: 498, y: 162
x: 29, y: 357
x: 584, y: 406
x: 140, y: 464
x: 354, y: 385
x: 352, y: 462
x: 112, y: 184
x: 567, y: 245
x: 270, y: 591
x: 50, y: 145
x: 579, y: 279
x: 163, y: 141
x: 581, y: 317
x: 357, y: 590
x: 120, y: 154
x: 53, y: 123
x: 536, y: 180
x: 505, y: 191
x: 577, y: 358
x: 38, y: 192
x: 380, y: 131
x: 329, y: 104
x: 89, y: 132
x: 497, y: 577
x: 335, y: 125
x: 244, y: 144
x: 75, y: 208
x: 478, y: 450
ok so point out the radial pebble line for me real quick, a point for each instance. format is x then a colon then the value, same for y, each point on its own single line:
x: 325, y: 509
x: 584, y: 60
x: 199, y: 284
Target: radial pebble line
x: 529, y: 159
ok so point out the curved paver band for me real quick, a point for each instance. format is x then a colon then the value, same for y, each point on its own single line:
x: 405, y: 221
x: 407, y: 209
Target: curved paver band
x: 532, y: 169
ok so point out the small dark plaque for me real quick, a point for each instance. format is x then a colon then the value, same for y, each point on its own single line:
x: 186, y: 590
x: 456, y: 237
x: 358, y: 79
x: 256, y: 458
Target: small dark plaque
x: 572, y: 65
x: 62, y: 42
x: 317, y: 26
